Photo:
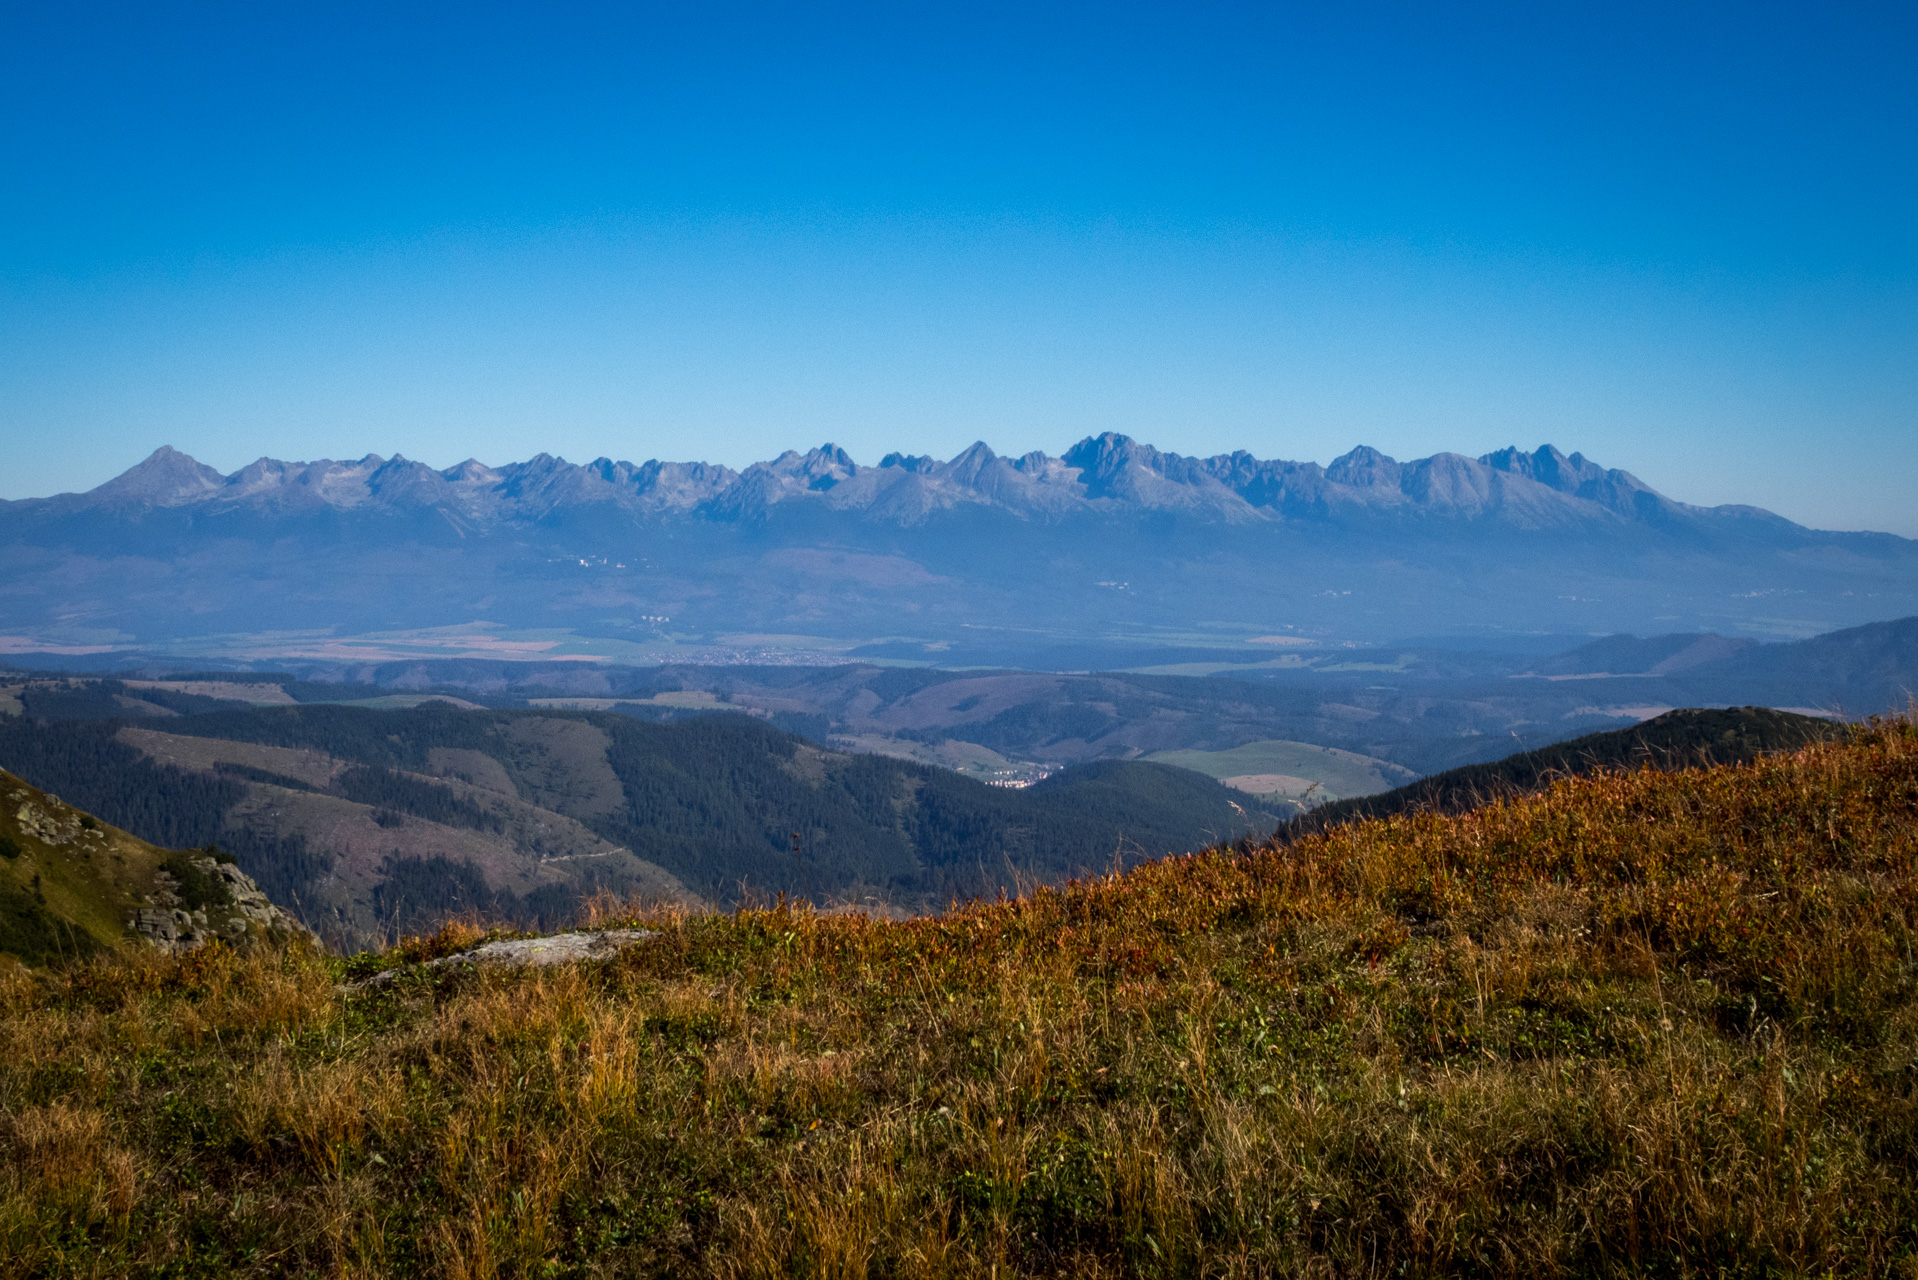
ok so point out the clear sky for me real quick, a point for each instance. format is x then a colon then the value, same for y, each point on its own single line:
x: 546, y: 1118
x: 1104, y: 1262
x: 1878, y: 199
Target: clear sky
x: 1680, y: 238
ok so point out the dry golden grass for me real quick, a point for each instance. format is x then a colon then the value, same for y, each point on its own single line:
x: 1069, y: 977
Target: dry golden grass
x: 1642, y: 1024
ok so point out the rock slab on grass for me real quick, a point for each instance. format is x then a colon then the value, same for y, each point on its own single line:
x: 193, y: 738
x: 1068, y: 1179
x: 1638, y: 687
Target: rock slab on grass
x: 560, y: 948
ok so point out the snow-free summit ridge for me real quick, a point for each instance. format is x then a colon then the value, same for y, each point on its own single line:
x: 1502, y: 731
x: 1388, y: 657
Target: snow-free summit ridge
x: 1104, y: 474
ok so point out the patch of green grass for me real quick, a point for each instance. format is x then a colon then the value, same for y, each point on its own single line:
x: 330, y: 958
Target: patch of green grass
x: 35, y: 936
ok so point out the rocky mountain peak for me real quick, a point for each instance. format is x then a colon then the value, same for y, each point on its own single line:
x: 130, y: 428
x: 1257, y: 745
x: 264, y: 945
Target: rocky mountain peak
x: 1364, y: 468
x: 1110, y: 464
x: 167, y: 478
x: 1547, y: 466
x: 826, y: 466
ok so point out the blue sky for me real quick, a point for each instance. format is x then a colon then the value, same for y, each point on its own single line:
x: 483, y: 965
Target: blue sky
x: 1678, y: 238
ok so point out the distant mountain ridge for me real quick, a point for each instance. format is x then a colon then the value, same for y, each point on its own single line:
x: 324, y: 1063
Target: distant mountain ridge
x: 1058, y: 562
x: 1104, y: 474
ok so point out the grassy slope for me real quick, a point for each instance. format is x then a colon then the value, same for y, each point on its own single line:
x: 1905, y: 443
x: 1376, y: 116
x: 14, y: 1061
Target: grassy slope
x: 72, y: 881
x: 1636, y: 1024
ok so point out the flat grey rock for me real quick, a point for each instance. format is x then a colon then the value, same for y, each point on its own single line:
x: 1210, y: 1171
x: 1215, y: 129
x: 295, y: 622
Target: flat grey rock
x: 560, y: 948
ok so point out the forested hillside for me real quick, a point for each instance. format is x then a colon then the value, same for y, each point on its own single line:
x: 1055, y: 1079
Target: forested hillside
x: 371, y: 822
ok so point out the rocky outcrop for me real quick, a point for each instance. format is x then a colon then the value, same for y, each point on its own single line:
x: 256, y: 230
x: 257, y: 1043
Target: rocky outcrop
x: 46, y: 826
x: 222, y: 903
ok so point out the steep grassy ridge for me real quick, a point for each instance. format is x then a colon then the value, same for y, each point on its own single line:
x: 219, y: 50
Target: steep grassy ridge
x: 1685, y: 737
x: 1652, y: 1023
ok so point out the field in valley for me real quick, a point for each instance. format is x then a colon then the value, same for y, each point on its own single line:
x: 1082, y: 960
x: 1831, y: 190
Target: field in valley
x: 1292, y: 770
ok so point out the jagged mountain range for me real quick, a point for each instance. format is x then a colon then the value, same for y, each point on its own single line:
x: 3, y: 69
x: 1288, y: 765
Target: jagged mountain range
x: 1107, y: 474
x: 1110, y: 550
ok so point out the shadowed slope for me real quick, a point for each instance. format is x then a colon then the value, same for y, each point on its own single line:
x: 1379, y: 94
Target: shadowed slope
x: 1676, y: 740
